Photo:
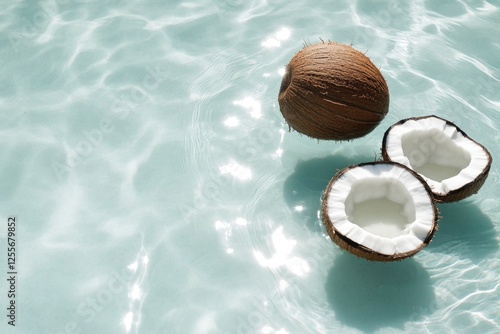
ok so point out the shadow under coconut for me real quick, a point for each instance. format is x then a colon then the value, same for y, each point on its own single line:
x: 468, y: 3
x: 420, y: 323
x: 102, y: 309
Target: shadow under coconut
x: 303, y: 189
x: 372, y: 295
x: 464, y: 229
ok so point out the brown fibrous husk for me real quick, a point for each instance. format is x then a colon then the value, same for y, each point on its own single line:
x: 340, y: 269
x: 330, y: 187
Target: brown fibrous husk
x: 332, y: 91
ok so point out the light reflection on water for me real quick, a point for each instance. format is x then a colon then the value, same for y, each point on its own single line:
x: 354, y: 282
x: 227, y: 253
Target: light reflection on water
x: 201, y: 185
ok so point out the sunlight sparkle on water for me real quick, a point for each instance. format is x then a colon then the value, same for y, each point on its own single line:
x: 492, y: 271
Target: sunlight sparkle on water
x: 279, y: 151
x: 127, y: 320
x: 283, y: 34
x: 298, y: 266
x: 283, y: 285
x: 241, y: 221
x: 236, y: 170
x: 220, y: 225
x: 267, y: 329
x: 283, y: 248
x: 135, y: 294
x: 252, y: 105
x: 275, y: 39
x: 133, y: 266
x: 298, y: 208
x: 231, y: 122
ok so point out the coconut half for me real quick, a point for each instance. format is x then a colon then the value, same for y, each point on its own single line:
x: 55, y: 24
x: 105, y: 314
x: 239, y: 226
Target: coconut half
x: 452, y: 164
x: 381, y: 211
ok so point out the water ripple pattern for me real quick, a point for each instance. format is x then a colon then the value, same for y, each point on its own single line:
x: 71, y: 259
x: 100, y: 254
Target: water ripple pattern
x: 159, y: 190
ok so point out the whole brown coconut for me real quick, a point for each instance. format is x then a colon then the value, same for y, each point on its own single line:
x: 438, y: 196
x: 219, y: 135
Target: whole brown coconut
x: 332, y: 91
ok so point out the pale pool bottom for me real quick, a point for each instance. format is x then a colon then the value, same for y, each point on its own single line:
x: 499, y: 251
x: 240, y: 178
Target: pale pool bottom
x: 152, y: 188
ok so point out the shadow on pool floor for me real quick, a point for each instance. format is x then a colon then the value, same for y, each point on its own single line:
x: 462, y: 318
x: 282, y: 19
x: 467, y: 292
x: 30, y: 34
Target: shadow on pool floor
x: 371, y: 295
x: 465, y: 230
x: 302, y: 190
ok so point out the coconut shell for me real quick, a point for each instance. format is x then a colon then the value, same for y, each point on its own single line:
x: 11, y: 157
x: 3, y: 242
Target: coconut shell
x: 358, y: 249
x: 332, y: 91
x: 461, y: 193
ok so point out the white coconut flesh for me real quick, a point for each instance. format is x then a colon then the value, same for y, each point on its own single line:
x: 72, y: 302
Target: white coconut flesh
x: 383, y: 207
x: 441, y: 154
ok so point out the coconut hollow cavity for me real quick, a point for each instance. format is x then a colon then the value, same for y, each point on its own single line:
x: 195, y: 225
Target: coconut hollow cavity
x: 332, y: 91
x: 453, y: 165
x: 381, y: 211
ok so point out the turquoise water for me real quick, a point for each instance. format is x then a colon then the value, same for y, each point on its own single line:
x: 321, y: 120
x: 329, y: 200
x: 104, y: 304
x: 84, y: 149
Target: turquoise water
x: 157, y: 188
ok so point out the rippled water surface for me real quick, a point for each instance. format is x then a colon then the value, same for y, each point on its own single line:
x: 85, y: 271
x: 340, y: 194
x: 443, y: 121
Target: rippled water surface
x: 158, y: 190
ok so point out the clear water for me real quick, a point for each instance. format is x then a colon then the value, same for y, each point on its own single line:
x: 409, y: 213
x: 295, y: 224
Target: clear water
x: 158, y: 190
